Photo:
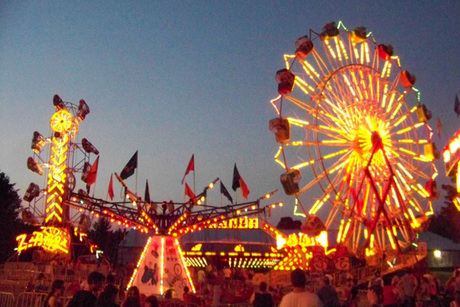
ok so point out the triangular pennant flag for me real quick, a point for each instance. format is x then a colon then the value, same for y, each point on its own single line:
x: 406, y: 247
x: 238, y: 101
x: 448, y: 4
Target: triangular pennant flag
x: 92, y: 174
x: 147, y: 191
x: 110, y: 190
x: 128, y: 170
x: 190, y: 167
x: 238, y: 182
x: 189, y: 192
x: 224, y: 191
x: 438, y: 127
x: 457, y: 106
x: 244, y: 188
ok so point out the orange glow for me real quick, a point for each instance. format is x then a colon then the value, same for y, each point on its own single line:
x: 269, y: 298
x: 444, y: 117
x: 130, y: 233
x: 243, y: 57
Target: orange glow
x: 187, y: 272
x: 51, y: 239
x: 138, y: 263
x: 162, y: 264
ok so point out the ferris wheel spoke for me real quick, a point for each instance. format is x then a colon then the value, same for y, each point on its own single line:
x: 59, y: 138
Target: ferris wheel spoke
x: 332, y: 169
x: 415, y: 172
x: 301, y: 104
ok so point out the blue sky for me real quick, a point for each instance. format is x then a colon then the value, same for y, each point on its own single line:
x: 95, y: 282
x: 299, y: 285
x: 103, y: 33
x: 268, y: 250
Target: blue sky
x: 176, y: 78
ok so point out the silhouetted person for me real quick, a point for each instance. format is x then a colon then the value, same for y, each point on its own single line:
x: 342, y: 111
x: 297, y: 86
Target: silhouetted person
x: 57, y: 290
x: 299, y: 295
x: 151, y: 301
x: 85, y: 298
x: 262, y: 298
x: 327, y: 294
x: 133, y: 298
x: 107, y: 297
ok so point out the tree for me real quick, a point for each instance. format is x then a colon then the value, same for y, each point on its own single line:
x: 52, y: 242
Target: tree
x: 106, y: 239
x: 101, y: 232
x: 288, y: 223
x: 10, y: 225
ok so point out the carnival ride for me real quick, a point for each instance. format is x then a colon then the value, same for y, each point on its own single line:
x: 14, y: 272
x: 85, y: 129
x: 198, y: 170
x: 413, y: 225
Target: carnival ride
x: 161, y: 265
x: 348, y: 112
x: 64, y: 158
x: 451, y: 157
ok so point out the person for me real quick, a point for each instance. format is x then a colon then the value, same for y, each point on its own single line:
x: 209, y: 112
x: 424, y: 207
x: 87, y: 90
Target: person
x: 133, y: 298
x: 88, y: 297
x: 407, y: 286
x: 377, y: 280
x: 390, y: 293
x: 353, y: 297
x: 262, y: 298
x: 169, y: 294
x: 327, y: 294
x: 227, y: 273
x: 111, y: 282
x: 57, y: 290
x: 375, y: 296
x: 40, y: 284
x: 422, y: 293
x: 151, y: 301
x: 191, y: 298
x: 456, y: 301
x: 299, y: 295
x: 107, y: 297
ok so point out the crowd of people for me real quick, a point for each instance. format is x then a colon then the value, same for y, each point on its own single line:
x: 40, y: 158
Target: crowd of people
x: 216, y: 287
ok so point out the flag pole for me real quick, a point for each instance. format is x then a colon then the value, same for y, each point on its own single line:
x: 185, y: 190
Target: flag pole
x: 194, y: 171
x: 136, y: 170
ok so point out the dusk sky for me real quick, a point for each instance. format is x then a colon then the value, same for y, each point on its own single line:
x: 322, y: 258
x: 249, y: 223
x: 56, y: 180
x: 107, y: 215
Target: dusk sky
x: 176, y: 78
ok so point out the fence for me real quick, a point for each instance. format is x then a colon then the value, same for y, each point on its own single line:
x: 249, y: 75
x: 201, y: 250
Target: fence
x: 27, y: 299
x: 6, y: 299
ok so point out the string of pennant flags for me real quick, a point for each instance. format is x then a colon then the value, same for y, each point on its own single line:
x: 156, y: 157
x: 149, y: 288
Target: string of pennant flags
x: 131, y: 166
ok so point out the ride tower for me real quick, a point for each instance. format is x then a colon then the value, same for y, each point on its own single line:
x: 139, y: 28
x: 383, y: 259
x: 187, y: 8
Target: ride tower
x: 65, y: 157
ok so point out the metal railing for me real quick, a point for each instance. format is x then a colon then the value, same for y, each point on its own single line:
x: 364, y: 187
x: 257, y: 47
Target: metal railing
x: 27, y: 299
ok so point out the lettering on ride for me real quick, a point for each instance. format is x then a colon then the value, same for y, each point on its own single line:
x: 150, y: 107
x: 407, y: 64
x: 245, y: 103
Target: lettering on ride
x: 240, y: 223
x: 51, y: 239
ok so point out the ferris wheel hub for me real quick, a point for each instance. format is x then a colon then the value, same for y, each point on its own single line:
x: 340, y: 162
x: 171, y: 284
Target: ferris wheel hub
x: 376, y: 140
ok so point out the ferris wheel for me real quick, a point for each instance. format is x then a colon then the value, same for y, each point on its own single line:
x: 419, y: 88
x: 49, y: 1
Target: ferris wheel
x: 350, y: 118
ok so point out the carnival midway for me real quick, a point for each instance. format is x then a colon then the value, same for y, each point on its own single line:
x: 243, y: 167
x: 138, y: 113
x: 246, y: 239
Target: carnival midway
x: 347, y: 113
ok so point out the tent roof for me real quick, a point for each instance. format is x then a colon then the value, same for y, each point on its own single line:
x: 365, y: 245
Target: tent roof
x: 435, y: 241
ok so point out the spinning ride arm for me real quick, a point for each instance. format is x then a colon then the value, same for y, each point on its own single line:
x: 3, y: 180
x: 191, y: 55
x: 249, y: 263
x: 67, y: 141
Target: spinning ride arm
x: 121, y: 212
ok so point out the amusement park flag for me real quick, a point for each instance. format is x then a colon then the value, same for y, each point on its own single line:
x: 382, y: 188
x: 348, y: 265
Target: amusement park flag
x: 190, y: 167
x: 130, y: 167
x: 147, y: 191
x: 457, y: 106
x: 438, y: 127
x: 110, y: 190
x: 92, y: 174
x: 189, y: 192
x: 224, y: 191
x: 238, y: 182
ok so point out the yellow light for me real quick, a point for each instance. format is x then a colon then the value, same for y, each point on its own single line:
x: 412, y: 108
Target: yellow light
x: 437, y: 254
x: 162, y: 264
x: 446, y: 155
